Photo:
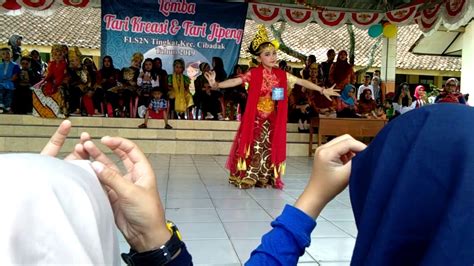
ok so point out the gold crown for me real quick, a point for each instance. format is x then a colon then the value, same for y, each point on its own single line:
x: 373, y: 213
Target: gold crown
x: 25, y: 53
x: 262, y: 37
x: 137, y: 56
x: 74, y: 52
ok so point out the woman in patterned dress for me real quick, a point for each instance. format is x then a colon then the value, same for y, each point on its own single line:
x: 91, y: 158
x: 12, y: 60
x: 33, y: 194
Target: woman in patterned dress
x: 258, y: 154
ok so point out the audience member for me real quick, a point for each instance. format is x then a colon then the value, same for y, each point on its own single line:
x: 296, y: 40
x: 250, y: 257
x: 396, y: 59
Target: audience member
x: 180, y: 97
x: 325, y: 68
x: 22, y: 96
x: 48, y: 96
x: 235, y: 97
x: 15, y: 44
x: 126, y: 90
x: 157, y: 108
x: 402, y: 102
x: 341, y: 73
x: 8, y: 76
x: 347, y: 103
x: 451, y: 93
x: 162, y: 75
x: 146, y: 81
x: 364, y: 86
x: 107, y: 78
x: 210, y: 102
x: 199, y: 89
x: 420, y: 96
x: 366, y: 105
x: 376, y: 89
x: 37, y: 66
x: 311, y: 59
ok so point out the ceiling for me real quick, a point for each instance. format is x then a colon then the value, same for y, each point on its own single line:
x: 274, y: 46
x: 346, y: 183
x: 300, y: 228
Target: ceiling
x: 358, y: 5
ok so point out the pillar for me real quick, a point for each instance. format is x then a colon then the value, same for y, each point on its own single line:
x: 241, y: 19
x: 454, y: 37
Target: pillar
x: 389, y: 64
x: 467, y: 70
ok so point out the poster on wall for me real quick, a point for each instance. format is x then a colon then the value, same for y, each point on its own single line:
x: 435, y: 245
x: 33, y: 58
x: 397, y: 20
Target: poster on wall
x: 194, y: 30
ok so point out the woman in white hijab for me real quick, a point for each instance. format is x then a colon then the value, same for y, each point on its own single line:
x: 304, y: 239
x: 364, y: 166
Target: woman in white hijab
x: 52, y: 218
x: 57, y: 212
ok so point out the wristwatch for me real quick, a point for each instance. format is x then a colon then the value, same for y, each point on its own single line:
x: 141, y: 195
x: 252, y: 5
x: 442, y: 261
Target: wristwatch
x: 160, y: 256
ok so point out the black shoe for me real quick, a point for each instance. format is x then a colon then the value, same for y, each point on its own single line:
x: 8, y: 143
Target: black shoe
x: 167, y: 126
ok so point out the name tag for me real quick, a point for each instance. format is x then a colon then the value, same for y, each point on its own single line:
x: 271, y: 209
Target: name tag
x: 278, y: 94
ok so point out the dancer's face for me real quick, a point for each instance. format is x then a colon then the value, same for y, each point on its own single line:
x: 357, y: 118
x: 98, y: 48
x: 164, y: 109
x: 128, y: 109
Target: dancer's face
x: 268, y: 57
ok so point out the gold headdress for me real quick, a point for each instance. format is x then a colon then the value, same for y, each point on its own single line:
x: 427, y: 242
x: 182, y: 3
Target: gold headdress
x: 261, y: 37
x: 137, y: 56
x: 56, y: 48
x: 25, y: 53
x: 74, y: 53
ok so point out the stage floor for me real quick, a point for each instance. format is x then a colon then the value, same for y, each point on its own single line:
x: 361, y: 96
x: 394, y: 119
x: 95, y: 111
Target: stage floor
x: 221, y: 224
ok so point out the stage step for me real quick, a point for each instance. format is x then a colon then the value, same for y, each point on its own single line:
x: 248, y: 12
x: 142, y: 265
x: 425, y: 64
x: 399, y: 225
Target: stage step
x: 24, y: 133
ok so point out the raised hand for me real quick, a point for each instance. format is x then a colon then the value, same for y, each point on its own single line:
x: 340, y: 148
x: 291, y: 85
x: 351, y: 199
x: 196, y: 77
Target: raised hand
x: 57, y: 140
x: 211, y: 78
x: 133, y: 195
x: 330, y: 175
x: 330, y: 92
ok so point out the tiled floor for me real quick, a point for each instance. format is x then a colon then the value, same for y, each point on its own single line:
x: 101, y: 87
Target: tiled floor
x: 221, y: 225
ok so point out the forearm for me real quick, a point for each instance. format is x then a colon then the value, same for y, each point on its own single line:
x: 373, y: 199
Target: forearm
x: 229, y: 83
x: 310, y: 203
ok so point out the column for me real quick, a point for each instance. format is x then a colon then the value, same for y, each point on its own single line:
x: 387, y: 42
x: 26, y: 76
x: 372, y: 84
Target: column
x: 467, y: 70
x: 389, y: 64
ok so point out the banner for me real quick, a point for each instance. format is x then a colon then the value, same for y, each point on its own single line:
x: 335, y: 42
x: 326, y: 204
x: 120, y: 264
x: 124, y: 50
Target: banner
x: 194, y: 30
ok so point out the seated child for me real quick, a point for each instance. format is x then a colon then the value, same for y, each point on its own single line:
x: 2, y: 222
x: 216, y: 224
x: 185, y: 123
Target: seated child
x: 157, y: 109
x: 210, y: 102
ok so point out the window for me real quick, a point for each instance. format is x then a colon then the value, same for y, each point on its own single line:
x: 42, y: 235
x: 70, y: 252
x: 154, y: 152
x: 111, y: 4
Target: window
x: 426, y: 80
x: 400, y: 78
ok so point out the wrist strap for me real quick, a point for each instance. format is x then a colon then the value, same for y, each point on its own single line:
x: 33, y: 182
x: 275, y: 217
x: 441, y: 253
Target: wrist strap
x: 159, y: 256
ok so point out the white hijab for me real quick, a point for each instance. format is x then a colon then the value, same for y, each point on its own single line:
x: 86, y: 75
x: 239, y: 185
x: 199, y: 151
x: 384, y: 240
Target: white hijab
x: 54, y: 212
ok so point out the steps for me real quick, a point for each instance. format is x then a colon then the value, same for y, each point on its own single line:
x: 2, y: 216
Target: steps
x: 25, y: 133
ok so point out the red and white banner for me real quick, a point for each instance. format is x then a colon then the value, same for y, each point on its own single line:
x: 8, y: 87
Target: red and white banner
x: 9, y: 5
x: 330, y: 19
x: 297, y: 17
x: 429, y: 19
x: 36, y: 5
x: 264, y: 14
x: 365, y: 20
x: 402, y: 16
x: 454, y: 10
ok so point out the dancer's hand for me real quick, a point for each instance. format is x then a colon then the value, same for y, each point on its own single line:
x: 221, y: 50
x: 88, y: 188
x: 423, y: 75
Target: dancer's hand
x: 331, y: 170
x: 135, y: 201
x: 57, y: 140
x: 211, y: 78
x: 328, y: 92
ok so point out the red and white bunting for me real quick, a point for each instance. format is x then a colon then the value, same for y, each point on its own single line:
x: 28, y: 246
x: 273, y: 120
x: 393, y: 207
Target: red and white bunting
x: 36, y: 5
x: 10, y: 5
x: 428, y: 26
x: 76, y: 3
x: 364, y: 20
x: 297, y: 17
x: 454, y: 10
x: 430, y: 13
x: 330, y: 19
x: 402, y: 16
x: 264, y: 14
x: 429, y: 19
